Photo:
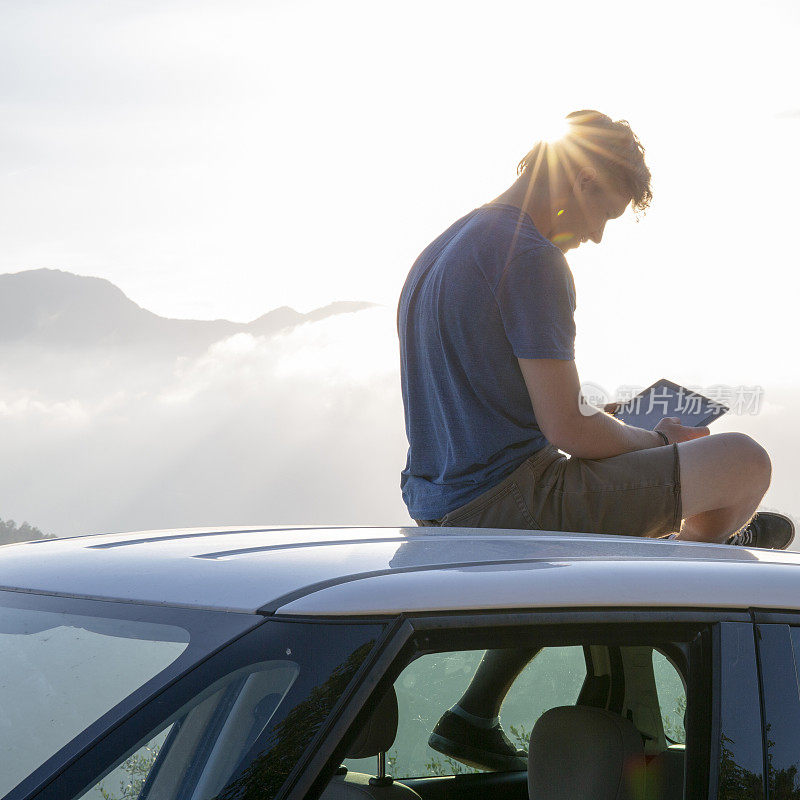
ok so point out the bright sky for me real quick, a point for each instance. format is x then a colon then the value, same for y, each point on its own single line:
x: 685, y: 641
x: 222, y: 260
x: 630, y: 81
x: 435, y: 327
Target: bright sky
x: 221, y: 159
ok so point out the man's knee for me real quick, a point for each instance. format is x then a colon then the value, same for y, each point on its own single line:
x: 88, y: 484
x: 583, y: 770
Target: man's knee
x: 751, y: 456
x: 721, y: 471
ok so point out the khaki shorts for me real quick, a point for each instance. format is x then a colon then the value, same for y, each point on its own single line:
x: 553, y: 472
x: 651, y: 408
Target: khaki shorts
x: 634, y: 494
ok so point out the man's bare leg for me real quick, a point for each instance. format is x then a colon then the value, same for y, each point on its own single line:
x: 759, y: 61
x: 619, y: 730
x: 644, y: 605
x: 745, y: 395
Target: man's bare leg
x: 470, y: 731
x: 495, y: 674
x: 723, y: 479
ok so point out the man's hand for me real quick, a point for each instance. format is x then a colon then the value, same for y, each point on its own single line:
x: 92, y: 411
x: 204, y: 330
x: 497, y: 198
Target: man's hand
x: 671, y: 427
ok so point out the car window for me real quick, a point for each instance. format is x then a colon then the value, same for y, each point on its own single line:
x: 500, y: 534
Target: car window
x: 128, y: 779
x: 430, y: 685
x: 208, y: 738
x: 61, y: 672
x: 243, y: 717
x: 671, y: 698
x: 794, y: 633
x: 553, y: 678
x: 778, y: 656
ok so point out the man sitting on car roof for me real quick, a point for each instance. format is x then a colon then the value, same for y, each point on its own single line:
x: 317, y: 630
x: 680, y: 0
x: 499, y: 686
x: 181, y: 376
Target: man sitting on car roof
x: 492, y: 394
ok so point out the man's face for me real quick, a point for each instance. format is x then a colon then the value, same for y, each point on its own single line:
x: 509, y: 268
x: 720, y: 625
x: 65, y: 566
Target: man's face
x: 584, y: 213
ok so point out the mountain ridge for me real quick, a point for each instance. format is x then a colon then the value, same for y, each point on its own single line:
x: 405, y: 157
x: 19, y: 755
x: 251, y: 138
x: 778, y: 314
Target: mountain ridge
x: 59, y: 308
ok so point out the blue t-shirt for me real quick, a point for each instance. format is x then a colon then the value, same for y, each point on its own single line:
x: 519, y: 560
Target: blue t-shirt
x: 489, y: 290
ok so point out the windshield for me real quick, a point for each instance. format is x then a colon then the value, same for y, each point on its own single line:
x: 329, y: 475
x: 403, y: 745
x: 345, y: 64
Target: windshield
x: 70, y: 668
x: 61, y: 672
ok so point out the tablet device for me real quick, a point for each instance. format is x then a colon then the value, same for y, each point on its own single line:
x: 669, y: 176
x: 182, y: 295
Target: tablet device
x: 667, y: 399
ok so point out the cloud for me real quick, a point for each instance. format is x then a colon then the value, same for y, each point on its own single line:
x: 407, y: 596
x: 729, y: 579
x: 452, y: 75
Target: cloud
x: 301, y: 428
x: 305, y: 427
x: 71, y: 413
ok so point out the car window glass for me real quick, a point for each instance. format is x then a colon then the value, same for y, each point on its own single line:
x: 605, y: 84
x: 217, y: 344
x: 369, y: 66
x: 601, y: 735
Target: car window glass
x: 671, y: 698
x: 741, y: 738
x: 553, y: 678
x: 433, y: 683
x: 61, y: 672
x: 777, y: 651
x: 246, y: 715
x: 794, y: 633
x: 127, y: 780
x: 207, y: 740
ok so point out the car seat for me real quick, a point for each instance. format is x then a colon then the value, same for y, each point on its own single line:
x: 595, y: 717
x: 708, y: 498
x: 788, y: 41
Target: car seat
x: 665, y: 773
x: 583, y: 753
x: 374, y: 739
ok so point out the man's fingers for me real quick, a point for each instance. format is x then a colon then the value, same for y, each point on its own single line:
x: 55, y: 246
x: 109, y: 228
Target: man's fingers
x: 672, y: 427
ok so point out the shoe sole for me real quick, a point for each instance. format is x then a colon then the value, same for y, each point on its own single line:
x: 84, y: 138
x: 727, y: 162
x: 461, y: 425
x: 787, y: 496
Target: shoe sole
x: 790, y: 537
x: 474, y: 757
x: 782, y: 539
x: 781, y: 536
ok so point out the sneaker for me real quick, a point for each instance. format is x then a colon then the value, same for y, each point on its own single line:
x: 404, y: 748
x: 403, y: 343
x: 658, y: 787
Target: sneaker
x: 767, y: 529
x: 476, y: 746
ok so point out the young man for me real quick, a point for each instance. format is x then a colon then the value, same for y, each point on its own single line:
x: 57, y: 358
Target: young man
x: 491, y: 392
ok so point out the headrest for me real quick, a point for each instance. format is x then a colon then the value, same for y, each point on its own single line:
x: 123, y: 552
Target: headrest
x: 582, y: 753
x: 379, y: 731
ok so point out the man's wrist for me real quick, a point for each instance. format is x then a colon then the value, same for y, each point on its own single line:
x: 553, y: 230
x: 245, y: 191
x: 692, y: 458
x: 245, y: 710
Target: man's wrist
x: 662, y: 438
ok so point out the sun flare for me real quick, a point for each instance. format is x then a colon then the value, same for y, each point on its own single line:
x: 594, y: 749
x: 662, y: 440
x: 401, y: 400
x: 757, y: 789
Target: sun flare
x: 553, y: 130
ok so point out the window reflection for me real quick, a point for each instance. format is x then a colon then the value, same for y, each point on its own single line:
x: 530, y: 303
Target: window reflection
x: 741, y: 765
x: 61, y: 672
x: 781, y: 710
x: 290, y: 737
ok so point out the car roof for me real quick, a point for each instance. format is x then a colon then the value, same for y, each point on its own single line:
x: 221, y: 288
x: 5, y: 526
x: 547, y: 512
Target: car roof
x: 321, y: 571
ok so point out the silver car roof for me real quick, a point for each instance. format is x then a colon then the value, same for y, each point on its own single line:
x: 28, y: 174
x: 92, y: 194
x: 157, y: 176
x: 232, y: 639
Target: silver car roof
x: 365, y: 571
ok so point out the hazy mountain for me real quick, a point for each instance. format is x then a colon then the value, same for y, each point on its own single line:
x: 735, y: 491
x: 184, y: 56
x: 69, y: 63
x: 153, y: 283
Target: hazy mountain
x: 114, y: 418
x: 55, y: 308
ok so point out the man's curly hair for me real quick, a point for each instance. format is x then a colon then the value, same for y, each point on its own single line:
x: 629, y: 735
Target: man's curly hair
x: 595, y: 139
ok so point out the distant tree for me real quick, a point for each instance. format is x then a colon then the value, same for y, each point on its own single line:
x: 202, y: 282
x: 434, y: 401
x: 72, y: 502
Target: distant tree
x: 673, y: 723
x: 137, y: 768
x: 10, y: 532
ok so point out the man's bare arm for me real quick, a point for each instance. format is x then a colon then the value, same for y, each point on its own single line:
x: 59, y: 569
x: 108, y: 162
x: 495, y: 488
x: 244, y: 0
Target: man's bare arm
x: 554, y: 389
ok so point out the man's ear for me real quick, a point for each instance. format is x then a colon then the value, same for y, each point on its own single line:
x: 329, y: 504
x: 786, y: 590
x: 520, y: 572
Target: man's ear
x: 585, y: 178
